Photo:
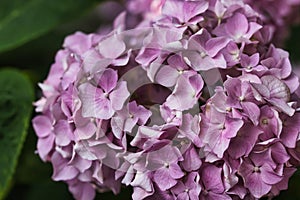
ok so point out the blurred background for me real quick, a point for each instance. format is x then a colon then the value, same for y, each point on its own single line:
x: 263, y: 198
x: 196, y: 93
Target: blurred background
x: 31, y: 32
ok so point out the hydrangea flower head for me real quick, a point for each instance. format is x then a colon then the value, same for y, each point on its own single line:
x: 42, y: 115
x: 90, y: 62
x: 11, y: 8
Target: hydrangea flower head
x: 278, y: 16
x: 190, y: 104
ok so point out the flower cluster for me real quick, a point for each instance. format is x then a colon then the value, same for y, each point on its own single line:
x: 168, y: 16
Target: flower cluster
x: 193, y: 103
x: 277, y: 15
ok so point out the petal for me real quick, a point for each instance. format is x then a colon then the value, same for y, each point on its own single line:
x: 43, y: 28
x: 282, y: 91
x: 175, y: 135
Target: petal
x: 252, y: 111
x: 83, y: 150
x: 176, y: 61
x: 122, y: 60
x: 211, y: 178
x: 232, y: 126
x: 260, y: 90
x: 249, y: 61
x: 213, y: 196
x: 142, y: 180
x: 147, y: 55
x: 215, y: 45
x: 112, y: 47
x: 256, y: 185
x: 191, y: 160
x: 183, y: 196
x: 61, y: 170
x: 289, y: 136
x: 140, y: 112
x: 184, y: 11
x: 282, y: 106
x: 269, y: 176
x: 292, y: 82
x: 143, y: 133
x: 63, y: 133
x: 220, y: 145
x: 233, y: 87
x: 94, y: 103
x: 252, y: 29
x: 194, y: 194
x: 128, y: 171
x: 70, y: 75
x: 175, y: 171
x: 279, y: 153
x: 93, y: 62
x: 183, y: 97
x: 83, y: 191
x: 197, y: 82
x: 244, y: 142
x: 178, y: 188
x: 108, y: 80
x: 167, y: 76
x: 78, y: 42
x: 119, y: 95
x: 139, y: 193
x: 164, y: 155
x: 130, y: 123
x: 277, y: 88
x: 190, y: 128
x: 206, y: 62
x: 191, y: 9
x: 117, y: 125
x: 163, y: 179
x: 45, y: 145
x: 81, y: 164
x: 237, y: 26
x: 42, y: 126
x: 85, y: 132
x: 66, y: 173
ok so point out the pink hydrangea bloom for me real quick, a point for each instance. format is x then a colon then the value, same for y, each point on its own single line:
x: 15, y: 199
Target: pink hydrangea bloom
x: 277, y: 16
x: 190, y: 104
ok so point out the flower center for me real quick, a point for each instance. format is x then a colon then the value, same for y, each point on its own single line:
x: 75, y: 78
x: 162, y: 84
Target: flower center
x: 256, y: 169
x: 222, y: 126
x: 241, y: 98
x: 106, y: 94
x: 202, y: 54
x: 166, y: 165
x: 265, y: 121
x: 180, y: 72
x: 228, y: 109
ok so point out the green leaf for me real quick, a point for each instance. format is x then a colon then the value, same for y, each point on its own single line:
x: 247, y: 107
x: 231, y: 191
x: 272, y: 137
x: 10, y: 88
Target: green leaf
x: 22, y: 21
x: 16, y: 96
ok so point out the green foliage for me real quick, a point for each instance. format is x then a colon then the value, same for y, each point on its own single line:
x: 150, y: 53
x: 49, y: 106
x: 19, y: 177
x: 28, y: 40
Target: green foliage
x: 31, y: 32
x: 16, y: 96
x: 22, y: 21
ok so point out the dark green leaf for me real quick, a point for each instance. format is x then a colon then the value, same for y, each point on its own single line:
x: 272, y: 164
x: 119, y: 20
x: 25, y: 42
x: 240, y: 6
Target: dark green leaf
x: 16, y: 96
x: 21, y: 21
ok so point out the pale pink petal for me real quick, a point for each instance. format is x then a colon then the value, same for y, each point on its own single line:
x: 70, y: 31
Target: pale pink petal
x: 94, y: 102
x: 112, y: 47
x: 119, y: 95
x: 42, y: 126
